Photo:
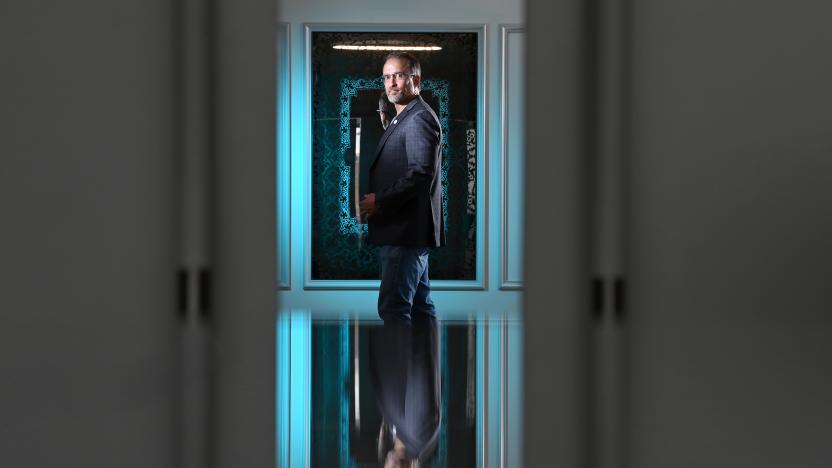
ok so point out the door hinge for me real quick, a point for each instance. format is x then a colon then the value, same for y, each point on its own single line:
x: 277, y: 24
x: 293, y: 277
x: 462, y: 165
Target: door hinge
x: 608, y: 296
x: 194, y: 292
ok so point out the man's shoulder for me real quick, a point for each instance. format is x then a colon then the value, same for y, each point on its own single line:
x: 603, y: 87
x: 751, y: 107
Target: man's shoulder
x: 422, y: 113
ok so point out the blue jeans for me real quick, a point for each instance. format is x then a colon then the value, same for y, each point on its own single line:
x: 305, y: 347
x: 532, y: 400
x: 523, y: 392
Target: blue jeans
x: 405, y: 287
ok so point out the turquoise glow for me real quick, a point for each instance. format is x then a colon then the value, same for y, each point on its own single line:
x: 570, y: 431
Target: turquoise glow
x: 344, y: 415
x: 293, y: 386
x: 349, y: 88
x: 294, y: 200
x: 281, y: 385
x: 498, y: 361
x: 283, y: 147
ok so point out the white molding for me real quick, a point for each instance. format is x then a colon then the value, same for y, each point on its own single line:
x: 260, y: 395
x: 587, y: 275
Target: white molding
x: 503, y: 390
x: 284, y: 61
x: 359, y: 285
x: 481, y: 281
x: 484, y: 404
x: 506, y: 283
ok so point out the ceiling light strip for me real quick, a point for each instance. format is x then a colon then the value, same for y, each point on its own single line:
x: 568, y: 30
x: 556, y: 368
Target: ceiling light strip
x: 385, y: 47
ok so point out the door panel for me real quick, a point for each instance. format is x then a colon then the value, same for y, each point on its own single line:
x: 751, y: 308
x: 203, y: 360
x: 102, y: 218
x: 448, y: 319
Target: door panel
x: 729, y: 252
x: 87, y: 310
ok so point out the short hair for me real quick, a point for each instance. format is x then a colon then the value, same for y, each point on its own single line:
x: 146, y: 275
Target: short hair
x: 412, y: 61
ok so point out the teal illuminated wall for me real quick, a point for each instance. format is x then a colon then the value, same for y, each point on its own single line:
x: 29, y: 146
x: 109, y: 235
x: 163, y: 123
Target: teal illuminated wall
x: 497, y: 244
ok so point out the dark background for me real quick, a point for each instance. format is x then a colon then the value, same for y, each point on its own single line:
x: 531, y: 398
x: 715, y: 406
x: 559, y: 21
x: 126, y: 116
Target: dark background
x: 343, y: 257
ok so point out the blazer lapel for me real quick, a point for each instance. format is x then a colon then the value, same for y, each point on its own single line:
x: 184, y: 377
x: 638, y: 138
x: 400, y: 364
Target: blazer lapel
x: 392, y: 128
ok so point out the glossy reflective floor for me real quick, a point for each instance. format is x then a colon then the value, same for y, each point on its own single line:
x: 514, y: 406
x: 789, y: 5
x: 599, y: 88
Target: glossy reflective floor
x: 356, y: 391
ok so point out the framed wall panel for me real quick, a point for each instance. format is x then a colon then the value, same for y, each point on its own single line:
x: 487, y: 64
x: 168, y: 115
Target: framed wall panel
x: 513, y: 155
x: 343, y: 86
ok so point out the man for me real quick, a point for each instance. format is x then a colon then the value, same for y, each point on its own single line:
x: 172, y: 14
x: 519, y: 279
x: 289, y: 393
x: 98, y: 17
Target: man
x: 386, y: 110
x: 404, y: 206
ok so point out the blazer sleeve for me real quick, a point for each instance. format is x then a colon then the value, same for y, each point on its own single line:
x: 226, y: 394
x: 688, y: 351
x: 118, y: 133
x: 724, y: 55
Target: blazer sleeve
x: 421, y: 147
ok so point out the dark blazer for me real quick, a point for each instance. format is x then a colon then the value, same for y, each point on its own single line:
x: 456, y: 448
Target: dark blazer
x: 405, y: 177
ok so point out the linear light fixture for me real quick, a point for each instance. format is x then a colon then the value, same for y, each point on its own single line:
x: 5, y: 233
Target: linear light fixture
x: 385, y: 47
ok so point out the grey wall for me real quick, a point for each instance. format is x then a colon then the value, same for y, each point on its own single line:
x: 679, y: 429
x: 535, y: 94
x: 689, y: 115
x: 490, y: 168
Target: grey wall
x: 87, y: 196
x: 90, y: 339
x: 730, y: 234
x: 725, y: 180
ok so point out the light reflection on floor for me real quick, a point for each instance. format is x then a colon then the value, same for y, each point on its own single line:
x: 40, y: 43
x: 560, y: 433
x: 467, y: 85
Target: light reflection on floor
x: 450, y: 388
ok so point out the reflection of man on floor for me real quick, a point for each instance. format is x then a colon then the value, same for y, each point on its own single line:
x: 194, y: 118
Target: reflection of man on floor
x: 404, y: 368
x: 404, y: 206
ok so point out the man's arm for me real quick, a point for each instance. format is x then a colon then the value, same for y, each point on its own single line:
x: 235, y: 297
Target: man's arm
x: 421, y: 143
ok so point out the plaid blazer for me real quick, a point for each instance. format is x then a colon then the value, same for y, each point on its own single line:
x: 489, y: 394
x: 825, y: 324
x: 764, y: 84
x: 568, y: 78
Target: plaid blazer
x: 405, y: 176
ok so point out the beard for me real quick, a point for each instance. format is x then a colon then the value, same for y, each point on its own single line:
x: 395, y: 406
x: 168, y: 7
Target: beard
x: 397, y: 97
x: 405, y: 94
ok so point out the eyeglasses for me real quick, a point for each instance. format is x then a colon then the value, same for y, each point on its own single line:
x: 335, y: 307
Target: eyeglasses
x: 398, y: 75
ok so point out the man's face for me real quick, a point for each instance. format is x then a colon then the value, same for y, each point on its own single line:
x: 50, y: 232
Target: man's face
x: 385, y: 118
x: 402, y: 88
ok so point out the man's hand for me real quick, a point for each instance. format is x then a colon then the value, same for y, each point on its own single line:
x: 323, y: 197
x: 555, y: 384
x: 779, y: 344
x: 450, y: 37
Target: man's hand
x: 367, y: 206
